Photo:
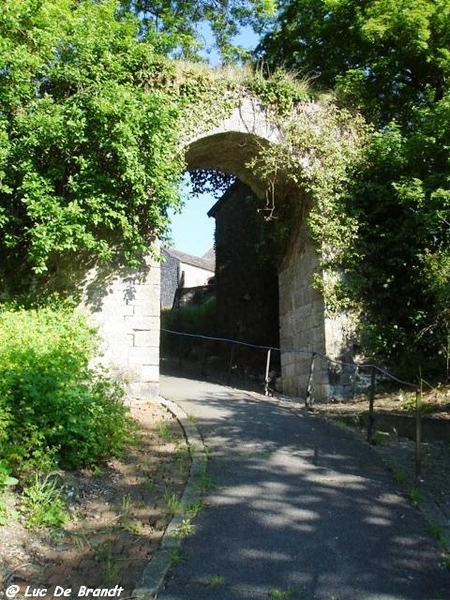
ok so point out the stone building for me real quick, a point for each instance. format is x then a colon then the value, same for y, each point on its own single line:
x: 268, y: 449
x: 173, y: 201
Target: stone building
x: 246, y: 272
x: 182, y: 270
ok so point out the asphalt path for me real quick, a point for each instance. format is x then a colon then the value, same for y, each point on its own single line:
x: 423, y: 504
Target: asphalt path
x: 300, y: 509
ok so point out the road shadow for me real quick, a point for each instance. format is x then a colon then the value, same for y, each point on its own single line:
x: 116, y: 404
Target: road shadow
x: 301, y: 507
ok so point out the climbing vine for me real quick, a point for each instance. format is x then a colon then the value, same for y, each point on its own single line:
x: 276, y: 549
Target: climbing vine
x: 91, y: 117
x: 309, y: 175
x: 92, y: 125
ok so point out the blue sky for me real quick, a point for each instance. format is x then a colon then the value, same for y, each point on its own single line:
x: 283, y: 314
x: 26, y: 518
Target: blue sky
x: 193, y: 230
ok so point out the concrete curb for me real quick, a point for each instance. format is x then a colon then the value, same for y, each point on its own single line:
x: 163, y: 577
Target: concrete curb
x: 154, y: 575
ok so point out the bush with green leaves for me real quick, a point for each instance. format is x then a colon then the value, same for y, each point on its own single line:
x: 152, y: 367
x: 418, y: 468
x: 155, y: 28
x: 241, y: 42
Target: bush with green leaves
x: 55, y: 403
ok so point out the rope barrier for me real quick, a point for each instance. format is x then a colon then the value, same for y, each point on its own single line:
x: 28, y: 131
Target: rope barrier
x: 354, y: 365
x: 309, y: 397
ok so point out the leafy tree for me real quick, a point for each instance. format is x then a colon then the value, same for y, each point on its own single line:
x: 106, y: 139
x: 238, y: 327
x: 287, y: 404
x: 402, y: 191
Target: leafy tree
x: 89, y: 119
x: 179, y: 22
x: 87, y: 136
x: 391, y: 61
x: 388, y: 58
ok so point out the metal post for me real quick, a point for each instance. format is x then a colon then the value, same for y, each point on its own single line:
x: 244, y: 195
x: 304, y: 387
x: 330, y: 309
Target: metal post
x: 230, y: 364
x: 418, y: 433
x: 180, y: 352
x: 203, y: 369
x: 371, y: 419
x: 267, y: 378
x: 309, y: 399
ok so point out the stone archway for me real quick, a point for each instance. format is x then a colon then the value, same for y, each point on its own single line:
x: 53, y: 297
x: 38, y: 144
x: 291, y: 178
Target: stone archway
x: 125, y: 304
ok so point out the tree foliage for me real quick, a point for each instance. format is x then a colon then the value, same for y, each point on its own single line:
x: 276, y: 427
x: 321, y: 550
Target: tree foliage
x: 87, y: 150
x: 179, y: 23
x: 91, y: 109
x: 388, y: 58
x: 390, y: 61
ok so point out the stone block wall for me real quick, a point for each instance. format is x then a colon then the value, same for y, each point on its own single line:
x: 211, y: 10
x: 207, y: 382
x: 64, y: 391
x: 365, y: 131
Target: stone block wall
x: 307, y: 328
x: 125, y: 307
x: 302, y: 323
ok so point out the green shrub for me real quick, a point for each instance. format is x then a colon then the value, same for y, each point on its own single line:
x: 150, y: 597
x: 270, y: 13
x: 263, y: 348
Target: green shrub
x: 51, y: 399
x: 5, y: 476
x: 199, y: 318
x: 196, y: 319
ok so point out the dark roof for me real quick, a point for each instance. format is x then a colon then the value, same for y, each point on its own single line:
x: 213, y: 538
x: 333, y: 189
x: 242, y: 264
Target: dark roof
x: 205, y: 262
x: 213, y: 210
x: 237, y: 186
x: 210, y: 255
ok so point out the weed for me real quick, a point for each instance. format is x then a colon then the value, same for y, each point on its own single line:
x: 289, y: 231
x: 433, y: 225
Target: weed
x: 42, y: 503
x: 164, y: 431
x: 173, y: 502
x: 205, y: 482
x: 437, y: 531
x: 277, y: 594
x: 381, y: 438
x: 105, y: 555
x: 175, y: 556
x: 399, y: 476
x: 80, y: 541
x: 216, y: 581
x: 409, y: 401
x: 192, y: 419
x: 126, y: 505
x: 415, y: 496
x: 130, y: 527
x: 183, y: 458
x: 207, y: 450
x: 445, y: 563
x: 4, y: 514
x: 195, y: 508
x: 149, y: 484
x: 185, y: 529
x: 96, y: 471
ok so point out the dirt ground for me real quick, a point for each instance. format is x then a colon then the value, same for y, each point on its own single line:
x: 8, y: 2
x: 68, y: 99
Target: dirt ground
x: 117, y: 517
x: 427, y: 481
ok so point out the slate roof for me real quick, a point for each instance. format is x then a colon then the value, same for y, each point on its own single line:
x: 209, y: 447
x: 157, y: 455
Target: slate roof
x: 202, y: 262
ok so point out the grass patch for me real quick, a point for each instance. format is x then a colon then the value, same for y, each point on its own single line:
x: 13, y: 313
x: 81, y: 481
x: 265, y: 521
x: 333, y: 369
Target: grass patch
x: 42, y: 503
x: 216, y: 581
x: 277, y: 594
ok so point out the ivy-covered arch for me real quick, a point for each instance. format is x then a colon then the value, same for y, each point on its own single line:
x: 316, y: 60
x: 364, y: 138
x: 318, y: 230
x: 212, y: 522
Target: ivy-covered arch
x: 297, y: 157
x: 232, y: 143
x: 244, y: 137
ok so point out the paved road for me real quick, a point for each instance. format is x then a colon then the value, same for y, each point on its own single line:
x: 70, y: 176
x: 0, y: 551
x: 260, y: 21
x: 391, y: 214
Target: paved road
x: 301, y: 509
